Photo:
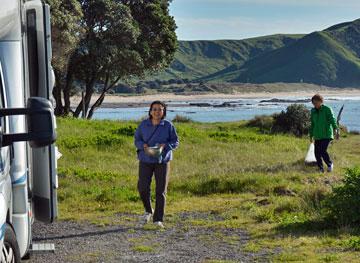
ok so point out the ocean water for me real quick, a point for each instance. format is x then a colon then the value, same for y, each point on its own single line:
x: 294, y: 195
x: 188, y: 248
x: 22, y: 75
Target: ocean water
x: 240, y: 109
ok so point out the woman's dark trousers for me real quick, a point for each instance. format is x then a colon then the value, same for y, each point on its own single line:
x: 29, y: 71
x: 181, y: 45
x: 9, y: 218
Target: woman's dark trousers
x: 161, y: 172
x: 321, y: 153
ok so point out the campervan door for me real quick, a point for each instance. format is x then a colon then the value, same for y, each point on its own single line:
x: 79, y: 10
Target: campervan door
x: 40, y: 84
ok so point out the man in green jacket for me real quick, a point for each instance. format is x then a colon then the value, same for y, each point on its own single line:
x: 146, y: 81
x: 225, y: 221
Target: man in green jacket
x: 323, y: 127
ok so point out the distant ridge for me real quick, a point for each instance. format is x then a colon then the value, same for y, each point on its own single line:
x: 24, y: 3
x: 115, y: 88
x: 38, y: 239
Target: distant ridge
x: 330, y: 57
x: 196, y: 59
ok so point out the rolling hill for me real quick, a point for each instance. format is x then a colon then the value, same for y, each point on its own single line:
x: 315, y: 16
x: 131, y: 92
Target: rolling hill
x: 196, y: 59
x: 330, y: 57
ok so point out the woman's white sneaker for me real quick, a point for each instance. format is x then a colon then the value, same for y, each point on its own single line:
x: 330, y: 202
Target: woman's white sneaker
x: 146, y: 217
x: 330, y: 168
x: 159, y: 224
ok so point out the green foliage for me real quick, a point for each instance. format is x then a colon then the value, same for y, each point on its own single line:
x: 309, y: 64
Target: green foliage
x: 207, y: 186
x: 87, y: 174
x: 143, y: 249
x: 241, y: 137
x: 126, y: 131
x: 118, y: 39
x: 295, y: 120
x: 260, y: 187
x: 106, y: 48
x: 352, y: 244
x: 343, y: 204
x: 72, y: 142
x: 66, y: 31
x: 263, y: 122
x: 157, y: 42
x: 179, y: 118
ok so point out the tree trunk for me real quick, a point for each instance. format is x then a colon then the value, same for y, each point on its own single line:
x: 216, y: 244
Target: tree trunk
x: 88, y: 94
x: 59, y: 108
x: 96, y: 105
x: 66, y: 92
x: 100, y: 100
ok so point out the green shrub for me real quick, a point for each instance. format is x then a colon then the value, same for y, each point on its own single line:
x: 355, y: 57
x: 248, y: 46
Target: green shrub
x: 235, y: 137
x: 72, y: 142
x: 180, y: 118
x: 343, y: 204
x: 352, y: 244
x: 125, y: 131
x: 87, y: 175
x: 263, y: 122
x: 295, y: 120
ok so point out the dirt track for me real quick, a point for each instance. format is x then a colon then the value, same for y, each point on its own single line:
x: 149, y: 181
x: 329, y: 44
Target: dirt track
x: 82, y: 242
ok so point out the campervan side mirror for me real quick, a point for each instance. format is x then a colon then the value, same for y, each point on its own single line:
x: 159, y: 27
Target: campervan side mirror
x: 40, y: 122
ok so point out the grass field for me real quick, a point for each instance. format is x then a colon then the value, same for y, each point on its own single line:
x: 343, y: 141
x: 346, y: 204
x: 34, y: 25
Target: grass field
x: 249, y: 180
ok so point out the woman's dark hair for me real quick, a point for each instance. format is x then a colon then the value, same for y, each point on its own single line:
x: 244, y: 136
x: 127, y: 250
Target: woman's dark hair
x: 157, y: 102
x: 317, y: 97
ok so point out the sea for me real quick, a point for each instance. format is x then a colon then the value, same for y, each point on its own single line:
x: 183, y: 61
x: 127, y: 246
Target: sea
x: 228, y: 110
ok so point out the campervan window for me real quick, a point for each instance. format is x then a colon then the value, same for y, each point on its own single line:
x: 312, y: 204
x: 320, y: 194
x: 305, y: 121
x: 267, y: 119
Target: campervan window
x: 32, y: 52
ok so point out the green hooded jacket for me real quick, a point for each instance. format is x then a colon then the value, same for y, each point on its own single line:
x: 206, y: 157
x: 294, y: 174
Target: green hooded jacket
x: 323, y: 123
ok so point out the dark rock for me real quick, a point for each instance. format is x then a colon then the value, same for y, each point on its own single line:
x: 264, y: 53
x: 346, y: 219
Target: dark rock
x: 200, y: 104
x: 286, y: 101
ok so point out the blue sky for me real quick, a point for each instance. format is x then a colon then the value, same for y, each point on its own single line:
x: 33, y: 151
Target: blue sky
x: 238, y: 19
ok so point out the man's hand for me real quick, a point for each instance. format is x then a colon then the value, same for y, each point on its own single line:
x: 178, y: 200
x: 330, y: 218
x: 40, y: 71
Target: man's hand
x: 145, y: 146
x: 337, y: 135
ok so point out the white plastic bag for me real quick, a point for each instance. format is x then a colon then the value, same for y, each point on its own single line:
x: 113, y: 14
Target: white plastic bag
x: 310, y: 156
x: 58, y: 154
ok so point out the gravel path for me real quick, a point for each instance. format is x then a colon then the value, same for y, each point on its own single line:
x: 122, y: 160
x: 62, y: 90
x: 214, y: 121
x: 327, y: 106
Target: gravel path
x: 132, y: 242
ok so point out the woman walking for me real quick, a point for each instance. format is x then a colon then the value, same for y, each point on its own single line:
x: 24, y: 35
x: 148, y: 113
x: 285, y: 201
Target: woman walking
x: 155, y: 139
x: 323, y: 126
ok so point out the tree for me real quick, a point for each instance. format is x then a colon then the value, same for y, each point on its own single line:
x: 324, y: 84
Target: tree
x: 66, y: 33
x: 110, y: 32
x: 122, y: 39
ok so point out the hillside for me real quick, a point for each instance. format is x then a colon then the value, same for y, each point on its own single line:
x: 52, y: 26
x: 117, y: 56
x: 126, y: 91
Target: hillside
x: 348, y: 34
x: 196, y: 59
x: 317, y: 58
x: 329, y: 57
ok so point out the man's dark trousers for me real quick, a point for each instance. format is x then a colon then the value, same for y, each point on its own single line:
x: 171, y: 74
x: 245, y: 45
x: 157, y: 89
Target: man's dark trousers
x: 321, y: 153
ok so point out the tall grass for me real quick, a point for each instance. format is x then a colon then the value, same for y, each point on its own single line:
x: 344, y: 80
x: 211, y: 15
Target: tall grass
x: 98, y: 171
x: 252, y: 180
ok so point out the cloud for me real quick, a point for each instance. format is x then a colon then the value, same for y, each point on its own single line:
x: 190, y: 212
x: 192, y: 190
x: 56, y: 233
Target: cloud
x: 245, y: 27
x: 310, y: 3
x: 237, y: 19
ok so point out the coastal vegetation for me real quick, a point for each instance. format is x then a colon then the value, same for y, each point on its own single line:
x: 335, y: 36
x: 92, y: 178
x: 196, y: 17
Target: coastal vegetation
x: 237, y: 176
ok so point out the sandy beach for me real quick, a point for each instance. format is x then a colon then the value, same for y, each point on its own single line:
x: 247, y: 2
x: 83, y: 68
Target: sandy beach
x: 118, y: 101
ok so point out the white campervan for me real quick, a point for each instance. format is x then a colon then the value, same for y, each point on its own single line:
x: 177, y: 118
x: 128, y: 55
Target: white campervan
x: 28, y: 178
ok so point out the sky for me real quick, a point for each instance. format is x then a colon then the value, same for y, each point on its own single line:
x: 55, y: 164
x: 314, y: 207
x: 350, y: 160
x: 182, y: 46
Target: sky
x: 239, y: 19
